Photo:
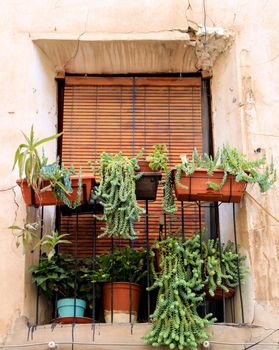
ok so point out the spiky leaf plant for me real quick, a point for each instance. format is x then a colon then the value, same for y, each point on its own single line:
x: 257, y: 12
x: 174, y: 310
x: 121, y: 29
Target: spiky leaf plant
x: 234, y: 163
x: 28, y: 159
x: 117, y: 191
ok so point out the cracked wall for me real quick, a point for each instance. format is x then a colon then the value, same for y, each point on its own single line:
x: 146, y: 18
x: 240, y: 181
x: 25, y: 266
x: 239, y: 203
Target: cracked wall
x: 245, y: 108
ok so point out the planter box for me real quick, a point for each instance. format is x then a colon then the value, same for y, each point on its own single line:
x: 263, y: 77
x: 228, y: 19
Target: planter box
x: 117, y: 297
x: 198, y: 189
x: 147, y: 185
x: 48, y: 197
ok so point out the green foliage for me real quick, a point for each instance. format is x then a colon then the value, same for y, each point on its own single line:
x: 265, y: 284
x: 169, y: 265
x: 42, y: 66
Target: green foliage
x: 168, y: 203
x: 158, y: 158
x: 60, y: 182
x: 28, y: 160
x: 186, y: 268
x: 61, y: 274
x: 117, y: 192
x: 51, y: 242
x: 37, y: 170
x: 125, y: 265
x: 176, y: 322
x: 232, y: 162
x: 26, y: 234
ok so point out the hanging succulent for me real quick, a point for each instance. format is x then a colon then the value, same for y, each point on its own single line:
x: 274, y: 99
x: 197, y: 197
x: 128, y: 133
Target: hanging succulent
x: 168, y: 203
x: 117, y: 194
x: 222, y: 265
x: 186, y: 269
x: 176, y: 322
x: 232, y: 162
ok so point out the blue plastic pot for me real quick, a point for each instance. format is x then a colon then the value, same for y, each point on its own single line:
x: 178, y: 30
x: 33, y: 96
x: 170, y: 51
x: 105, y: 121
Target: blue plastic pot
x: 66, y: 307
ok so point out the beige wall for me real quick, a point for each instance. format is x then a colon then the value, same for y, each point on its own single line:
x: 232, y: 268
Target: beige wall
x: 111, y: 36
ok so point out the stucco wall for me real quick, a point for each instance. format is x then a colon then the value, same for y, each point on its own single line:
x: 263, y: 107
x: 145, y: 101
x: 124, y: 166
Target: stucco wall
x: 244, y: 103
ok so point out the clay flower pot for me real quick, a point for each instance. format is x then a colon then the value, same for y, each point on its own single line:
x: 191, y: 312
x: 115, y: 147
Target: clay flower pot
x: 48, y: 197
x: 198, y: 189
x: 219, y: 293
x: 121, y: 297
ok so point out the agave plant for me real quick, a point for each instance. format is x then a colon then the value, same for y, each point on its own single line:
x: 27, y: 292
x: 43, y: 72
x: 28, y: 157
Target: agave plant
x: 28, y: 159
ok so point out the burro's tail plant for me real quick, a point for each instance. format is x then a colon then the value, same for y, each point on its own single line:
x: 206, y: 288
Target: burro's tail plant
x: 186, y: 268
x: 223, y: 266
x: 117, y: 192
x: 176, y: 322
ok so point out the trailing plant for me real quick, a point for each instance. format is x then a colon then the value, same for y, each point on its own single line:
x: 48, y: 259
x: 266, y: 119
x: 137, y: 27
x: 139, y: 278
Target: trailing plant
x: 121, y: 265
x: 232, y: 162
x: 168, y: 203
x: 117, y: 194
x: 60, y: 181
x: 176, y: 322
x: 222, y: 265
x: 186, y: 268
x: 158, y: 158
x: 227, y: 158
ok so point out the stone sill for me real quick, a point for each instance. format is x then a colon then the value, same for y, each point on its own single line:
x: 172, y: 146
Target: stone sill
x: 107, y: 336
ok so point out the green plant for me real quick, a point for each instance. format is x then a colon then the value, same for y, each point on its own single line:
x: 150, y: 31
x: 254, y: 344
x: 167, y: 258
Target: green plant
x: 60, y: 181
x: 63, y: 275
x: 222, y: 264
x: 26, y: 235
x: 158, y: 158
x: 121, y: 265
x: 37, y: 171
x: 28, y: 160
x: 231, y: 161
x: 186, y: 268
x: 117, y: 194
x: 176, y: 322
x: 50, y: 243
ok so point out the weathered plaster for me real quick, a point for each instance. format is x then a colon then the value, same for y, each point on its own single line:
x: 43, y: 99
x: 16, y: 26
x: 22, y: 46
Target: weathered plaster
x: 144, y: 36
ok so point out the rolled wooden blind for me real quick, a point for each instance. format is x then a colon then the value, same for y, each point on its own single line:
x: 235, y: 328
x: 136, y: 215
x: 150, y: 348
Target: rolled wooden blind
x: 127, y: 114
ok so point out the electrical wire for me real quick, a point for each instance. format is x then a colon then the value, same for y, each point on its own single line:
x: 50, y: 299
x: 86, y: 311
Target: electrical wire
x: 250, y: 345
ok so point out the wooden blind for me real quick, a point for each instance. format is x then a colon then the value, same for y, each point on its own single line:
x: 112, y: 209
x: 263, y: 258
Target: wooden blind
x: 127, y: 114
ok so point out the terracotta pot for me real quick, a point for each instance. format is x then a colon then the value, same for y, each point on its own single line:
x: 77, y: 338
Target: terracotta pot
x: 117, y: 296
x: 48, y: 197
x: 198, y: 189
x: 157, y: 259
x: 147, y: 185
x: 219, y: 293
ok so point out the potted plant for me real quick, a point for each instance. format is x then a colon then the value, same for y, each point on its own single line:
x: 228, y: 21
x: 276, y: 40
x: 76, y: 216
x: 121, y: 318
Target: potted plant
x: 151, y: 172
x: 63, y: 275
x: 120, y: 272
x: 223, y: 178
x: 48, y: 184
